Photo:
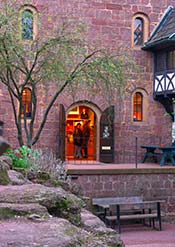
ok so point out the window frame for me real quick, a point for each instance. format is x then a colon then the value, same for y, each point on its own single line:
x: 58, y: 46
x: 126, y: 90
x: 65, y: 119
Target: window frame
x: 139, y: 107
x: 145, y: 23
x: 165, y: 61
x: 29, y: 115
x: 145, y: 106
x: 141, y: 23
x: 29, y: 14
x: 33, y: 10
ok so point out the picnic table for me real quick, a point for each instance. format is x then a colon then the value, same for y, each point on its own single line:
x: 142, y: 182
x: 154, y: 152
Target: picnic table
x: 167, y: 153
x: 133, y: 204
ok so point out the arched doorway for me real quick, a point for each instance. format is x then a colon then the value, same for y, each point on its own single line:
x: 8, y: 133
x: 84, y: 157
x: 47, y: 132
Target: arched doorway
x: 80, y: 115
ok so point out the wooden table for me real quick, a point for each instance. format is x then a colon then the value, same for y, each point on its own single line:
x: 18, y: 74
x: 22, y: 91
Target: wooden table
x: 167, y: 153
x: 150, y: 152
x: 107, y: 203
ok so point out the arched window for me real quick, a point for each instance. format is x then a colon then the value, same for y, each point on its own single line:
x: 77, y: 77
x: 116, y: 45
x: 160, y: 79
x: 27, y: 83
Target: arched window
x: 27, y: 25
x: 27, y: 103
x: 140, y: 29
x: 138, y: 107
x: 29, y: 21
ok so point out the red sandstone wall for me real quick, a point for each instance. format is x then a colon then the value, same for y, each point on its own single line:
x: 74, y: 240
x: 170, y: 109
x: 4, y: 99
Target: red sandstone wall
x: 150, y: 186
x: 109, y: 25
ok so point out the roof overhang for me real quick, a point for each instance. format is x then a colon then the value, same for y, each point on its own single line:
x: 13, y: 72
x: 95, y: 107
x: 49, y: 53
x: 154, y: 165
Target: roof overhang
x: 160, y: 44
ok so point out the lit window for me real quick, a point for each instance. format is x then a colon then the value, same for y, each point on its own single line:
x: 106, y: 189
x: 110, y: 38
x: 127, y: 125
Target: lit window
x: 138, y: 31
x: 27, y: 25
x: 27, y: 103
x: 138, y: 107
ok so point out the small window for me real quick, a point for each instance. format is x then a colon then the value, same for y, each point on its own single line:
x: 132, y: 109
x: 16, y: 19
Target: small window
x: 171, y: 60
x: 160, y: 61
x: 138, y: 107
x: 27, y: 103
x: 138, y: 31
x: 27, y: 25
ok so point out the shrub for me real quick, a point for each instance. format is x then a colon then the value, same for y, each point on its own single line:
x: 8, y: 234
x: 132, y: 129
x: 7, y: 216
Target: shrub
x: 19, y: 157
x: 47, y: 161
x: 37, y: 160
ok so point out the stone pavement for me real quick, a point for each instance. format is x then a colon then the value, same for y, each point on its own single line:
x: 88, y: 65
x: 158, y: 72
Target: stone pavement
x: 140, y: 236
x: 151, y: 245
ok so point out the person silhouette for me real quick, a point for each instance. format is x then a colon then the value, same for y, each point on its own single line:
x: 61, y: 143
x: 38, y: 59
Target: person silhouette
x: 77, y: 140
x: 86, y: 135
x: 84, y: 114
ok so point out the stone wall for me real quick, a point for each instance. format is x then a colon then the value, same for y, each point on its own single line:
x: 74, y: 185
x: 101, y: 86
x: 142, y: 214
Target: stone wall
x: 109, y: 25
x: 150, y: 186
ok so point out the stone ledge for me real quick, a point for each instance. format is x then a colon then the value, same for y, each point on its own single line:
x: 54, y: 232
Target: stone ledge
x: 89, y: 171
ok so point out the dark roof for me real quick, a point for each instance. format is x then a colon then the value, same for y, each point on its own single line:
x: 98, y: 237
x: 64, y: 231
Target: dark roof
x: 164, y: 33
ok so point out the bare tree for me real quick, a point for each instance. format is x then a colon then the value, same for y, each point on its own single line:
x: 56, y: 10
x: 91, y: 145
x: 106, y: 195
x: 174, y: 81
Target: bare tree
x: 66, y: 60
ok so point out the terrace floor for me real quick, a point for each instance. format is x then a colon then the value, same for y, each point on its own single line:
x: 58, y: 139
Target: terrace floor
x: 95, y: 167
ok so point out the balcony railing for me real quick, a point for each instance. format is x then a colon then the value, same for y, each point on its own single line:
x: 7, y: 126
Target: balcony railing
x: 164, y: 83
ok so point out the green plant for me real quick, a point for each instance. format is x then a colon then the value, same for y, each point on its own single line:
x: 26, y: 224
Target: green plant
x: 64, y: 57
x: 20, y: 157
x: 38, y: 161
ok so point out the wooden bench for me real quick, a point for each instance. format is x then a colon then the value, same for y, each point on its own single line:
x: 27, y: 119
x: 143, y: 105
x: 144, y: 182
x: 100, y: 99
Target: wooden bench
x: 102, y: 204
x: 116, y: 209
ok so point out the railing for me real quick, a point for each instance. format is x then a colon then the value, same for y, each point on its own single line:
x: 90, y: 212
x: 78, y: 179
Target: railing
x: 164, y: 82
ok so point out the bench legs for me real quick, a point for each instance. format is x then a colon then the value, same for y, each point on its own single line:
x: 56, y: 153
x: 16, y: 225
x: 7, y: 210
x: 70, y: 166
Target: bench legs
x: 151, y: 219
x: 118, y: 218
x: 165, y: 156
x: 159, y: 215
x: 158, y: 218
x: 150, y: 153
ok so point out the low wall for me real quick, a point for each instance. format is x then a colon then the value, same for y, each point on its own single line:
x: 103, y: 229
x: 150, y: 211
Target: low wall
x: 151, y: 184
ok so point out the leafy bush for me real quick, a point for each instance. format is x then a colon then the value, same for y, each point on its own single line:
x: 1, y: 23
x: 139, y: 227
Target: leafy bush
x: 19, y: 157
x: 37, y: 160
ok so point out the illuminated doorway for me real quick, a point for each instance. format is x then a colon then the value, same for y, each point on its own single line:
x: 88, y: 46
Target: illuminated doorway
x: 81, y: 115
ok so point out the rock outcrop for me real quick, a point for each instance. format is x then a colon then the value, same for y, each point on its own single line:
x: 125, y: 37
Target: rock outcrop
x: 36, y: 215
x: 4, y: 178
x: 59, y: 202
x: 55, y: 232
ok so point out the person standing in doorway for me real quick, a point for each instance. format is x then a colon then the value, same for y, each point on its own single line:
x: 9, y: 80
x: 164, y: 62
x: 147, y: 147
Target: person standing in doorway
x: 77, y: 139
x: 86, y: 135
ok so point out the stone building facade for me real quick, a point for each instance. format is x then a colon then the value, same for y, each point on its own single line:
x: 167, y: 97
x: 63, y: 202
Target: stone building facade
x: 111, y: 23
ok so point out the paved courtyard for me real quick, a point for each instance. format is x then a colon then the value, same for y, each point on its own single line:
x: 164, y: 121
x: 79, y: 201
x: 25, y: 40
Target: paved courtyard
x: 140, y: 236
x: 132, y: 235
